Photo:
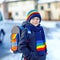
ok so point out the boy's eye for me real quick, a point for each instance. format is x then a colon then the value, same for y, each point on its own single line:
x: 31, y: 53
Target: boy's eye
x: 37, y: 19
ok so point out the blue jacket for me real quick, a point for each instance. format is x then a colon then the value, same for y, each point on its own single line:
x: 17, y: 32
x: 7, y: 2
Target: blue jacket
x: 32, y: 43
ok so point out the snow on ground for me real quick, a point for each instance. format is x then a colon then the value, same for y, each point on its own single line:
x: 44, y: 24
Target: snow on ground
x: 52, y: 40
x: 53, y: 49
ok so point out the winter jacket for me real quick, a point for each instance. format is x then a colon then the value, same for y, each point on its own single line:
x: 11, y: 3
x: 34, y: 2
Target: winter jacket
x: 31, y: 38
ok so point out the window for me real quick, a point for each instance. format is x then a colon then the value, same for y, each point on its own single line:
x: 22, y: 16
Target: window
x: 48, y: 5
x: 16, y: 14
x: 42, y: 8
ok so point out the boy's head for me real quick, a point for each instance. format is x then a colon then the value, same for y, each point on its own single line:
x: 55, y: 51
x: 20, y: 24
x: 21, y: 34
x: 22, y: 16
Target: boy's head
x: 33, y: 13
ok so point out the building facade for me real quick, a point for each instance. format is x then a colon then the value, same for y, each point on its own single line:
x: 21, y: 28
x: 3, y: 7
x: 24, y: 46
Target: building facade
x: 20, y: 9
x: 17, y: 9
x: 50, y: 10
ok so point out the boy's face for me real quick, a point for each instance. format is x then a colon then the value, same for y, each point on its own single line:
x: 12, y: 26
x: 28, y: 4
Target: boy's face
x: 35, y: 21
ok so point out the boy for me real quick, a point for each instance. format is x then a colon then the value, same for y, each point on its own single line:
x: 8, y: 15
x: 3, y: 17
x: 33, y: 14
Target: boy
x: 32, y: 43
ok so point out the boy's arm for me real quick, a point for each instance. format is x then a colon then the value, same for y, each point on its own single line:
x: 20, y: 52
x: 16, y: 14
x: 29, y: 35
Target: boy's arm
x: 23, y: 43
x: 43, y: 37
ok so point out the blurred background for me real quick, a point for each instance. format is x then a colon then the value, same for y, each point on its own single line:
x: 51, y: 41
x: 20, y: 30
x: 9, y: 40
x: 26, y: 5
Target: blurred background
x: 13, y: 13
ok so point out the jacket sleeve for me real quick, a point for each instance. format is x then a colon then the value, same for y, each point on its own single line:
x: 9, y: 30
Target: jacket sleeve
x: 43, y: 37
x: 43, y: 34
x: 23, y: 43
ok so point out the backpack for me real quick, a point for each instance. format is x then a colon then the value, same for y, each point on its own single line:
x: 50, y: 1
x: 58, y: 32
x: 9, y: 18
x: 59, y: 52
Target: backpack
x: 15, y: 37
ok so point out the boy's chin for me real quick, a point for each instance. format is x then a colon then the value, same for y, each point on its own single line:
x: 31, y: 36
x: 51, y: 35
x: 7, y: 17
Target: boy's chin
x: 36, y: 24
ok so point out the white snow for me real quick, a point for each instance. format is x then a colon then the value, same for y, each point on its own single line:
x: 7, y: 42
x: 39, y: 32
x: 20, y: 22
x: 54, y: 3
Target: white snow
x: 53, y: 44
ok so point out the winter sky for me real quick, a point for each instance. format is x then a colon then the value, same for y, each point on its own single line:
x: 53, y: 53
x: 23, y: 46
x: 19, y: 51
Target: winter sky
x: 43, y: 1
x: 40, y: 1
